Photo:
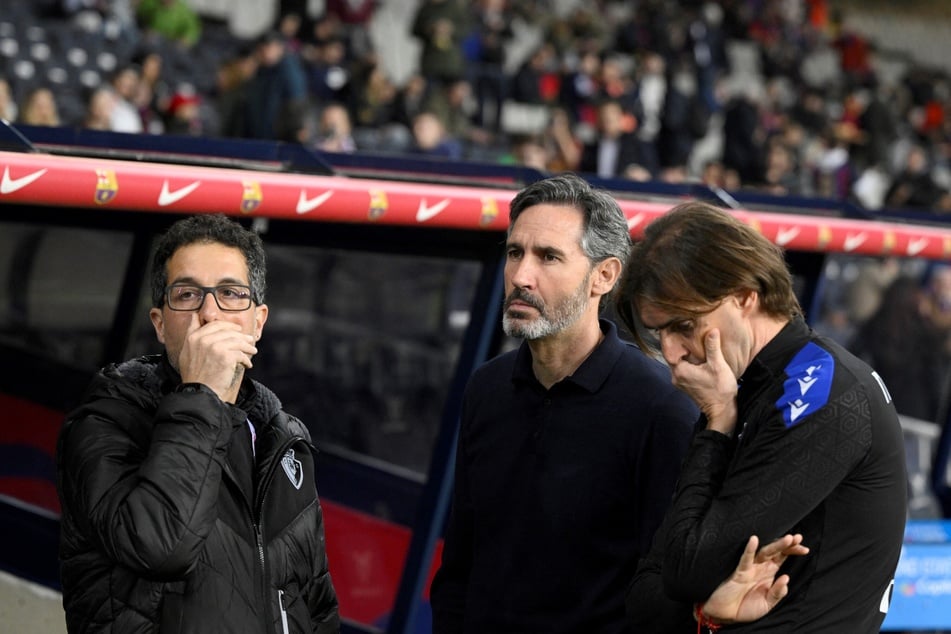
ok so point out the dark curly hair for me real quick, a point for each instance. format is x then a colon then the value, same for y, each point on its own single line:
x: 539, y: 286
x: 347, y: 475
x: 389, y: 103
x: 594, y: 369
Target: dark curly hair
x: 207, y: 229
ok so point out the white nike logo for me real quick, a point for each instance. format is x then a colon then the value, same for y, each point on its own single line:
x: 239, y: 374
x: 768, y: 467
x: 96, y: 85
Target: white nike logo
x: 305, y: 204
x: 425, y: 212
x: 796, y: 409
x: 634, y: 221
x: 785, y: 235
x: 917, y: 246
x: 167, y: 197
x: 853, y: 242
x: 9, y: 185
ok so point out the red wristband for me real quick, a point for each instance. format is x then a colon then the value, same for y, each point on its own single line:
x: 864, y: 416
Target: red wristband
x: 703, y: 621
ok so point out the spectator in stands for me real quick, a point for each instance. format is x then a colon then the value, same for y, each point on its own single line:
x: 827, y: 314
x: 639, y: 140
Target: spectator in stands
x: 743, y: 137
x: 684, y: 120
x: 184, y: 114
x: 780, y: 175
x: 173, y: 20
x: 39, y: 108
x: 99, y: 107
x: 536, y: 81
x: 530, y: 150
x: 832, y: 171
x: 410, y: 99
x: 454, y: 105
x: 904, y: 328
x: 160, y: 466
x: 379, y: 109
x: 565, y: 149
x: 554, y: 150
x: 334, y: 129
x: 796, y: 435
x: 8, y: 106
x: 561, y: 479
x: 913, y: 186
x: 125, y: 114
x: 354, y: 17
x: 232, y: 80
x: 329, y: 72
x: 617, y: 147
x: 152, y: 93
x: 440, y: 26
x: 431, y: 138
x: 276, y: 98
x: 486, y: 53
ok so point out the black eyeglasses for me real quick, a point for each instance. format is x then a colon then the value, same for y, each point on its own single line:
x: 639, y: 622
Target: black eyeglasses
x: 230, y: 297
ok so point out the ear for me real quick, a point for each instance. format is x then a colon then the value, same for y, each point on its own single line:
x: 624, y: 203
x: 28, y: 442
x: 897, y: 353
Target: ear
x: 260, y: 316
x: 747, y: 300
x: 606, y: 275
x: 158, y: 322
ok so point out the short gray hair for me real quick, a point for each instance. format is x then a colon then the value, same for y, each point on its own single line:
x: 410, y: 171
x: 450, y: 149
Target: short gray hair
x: 605, y: 233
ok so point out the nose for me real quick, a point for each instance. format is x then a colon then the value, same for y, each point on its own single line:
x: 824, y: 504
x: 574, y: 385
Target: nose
x: 521, y: 273
x: 672, y: 348
x: 208, y: 311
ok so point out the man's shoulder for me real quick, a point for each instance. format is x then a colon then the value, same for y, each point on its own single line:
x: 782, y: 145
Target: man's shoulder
x: 633, y: 360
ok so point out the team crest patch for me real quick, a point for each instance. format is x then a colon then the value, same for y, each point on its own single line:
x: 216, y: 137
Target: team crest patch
x: 293, y: 468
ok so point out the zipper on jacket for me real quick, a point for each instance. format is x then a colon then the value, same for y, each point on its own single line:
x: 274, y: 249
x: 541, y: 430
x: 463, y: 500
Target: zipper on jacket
x: 263, y: 486
x: 280, y: 601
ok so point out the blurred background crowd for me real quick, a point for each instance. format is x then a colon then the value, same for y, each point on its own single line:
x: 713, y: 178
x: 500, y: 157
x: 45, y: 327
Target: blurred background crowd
x: 777, y: 95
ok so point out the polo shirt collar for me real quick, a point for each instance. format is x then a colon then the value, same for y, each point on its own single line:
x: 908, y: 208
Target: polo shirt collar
x: 593, y: 371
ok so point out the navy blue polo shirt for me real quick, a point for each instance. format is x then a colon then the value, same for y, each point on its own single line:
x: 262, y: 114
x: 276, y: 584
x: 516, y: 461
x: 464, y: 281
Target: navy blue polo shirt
x: 558, y: 491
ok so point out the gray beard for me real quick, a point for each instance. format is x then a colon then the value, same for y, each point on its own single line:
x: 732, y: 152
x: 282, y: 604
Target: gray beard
x: 550, y: 321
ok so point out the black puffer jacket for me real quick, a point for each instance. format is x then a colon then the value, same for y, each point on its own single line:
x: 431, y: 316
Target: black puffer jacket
x: 169, y: 525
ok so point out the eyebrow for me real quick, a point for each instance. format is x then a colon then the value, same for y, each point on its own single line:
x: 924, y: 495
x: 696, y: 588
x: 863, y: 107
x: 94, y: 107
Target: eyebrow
x: 225, y: 280
x: 540, y: 248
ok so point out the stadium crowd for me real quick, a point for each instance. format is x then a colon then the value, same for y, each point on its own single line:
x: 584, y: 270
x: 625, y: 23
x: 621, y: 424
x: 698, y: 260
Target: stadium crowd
x: 645, y: 90
x: 634, y: 90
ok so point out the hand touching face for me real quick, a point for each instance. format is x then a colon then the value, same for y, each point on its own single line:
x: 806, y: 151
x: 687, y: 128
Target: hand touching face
x: 209, y: 345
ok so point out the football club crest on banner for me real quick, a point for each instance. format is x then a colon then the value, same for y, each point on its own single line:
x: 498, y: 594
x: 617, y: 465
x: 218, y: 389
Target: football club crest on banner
x: 490, y: 211
x: 378, y: 204
x: 293, y: 469
x: 251, y: 196
x: 106, y: 186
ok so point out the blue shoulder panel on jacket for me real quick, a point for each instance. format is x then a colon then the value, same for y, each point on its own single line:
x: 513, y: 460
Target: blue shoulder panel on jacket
x: 808, y: 383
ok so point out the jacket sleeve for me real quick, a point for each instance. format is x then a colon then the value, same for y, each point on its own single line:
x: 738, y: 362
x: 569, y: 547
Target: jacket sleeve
x: 648, y: 607
x: 321, y: 596
x: 145, y: 491
x: 779, y: 476
x: 450, y: 585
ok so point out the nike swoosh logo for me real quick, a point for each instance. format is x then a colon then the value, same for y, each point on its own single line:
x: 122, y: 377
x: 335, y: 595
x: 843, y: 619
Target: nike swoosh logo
x: 633, y: 221
x: 785, y: 236
x: 426, y: 212
x: 917, y: 246
x: 9, y: 185
x: 305, y: 204
x: 167, y: 197
x: 853, y: 242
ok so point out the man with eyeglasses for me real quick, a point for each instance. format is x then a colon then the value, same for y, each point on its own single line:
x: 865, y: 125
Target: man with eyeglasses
x: 188, y: 495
